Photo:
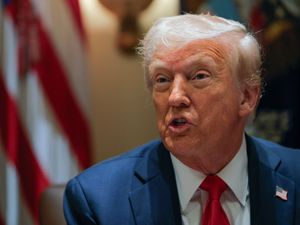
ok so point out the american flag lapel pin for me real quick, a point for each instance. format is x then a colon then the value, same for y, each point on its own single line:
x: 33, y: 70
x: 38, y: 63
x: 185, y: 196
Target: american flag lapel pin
x: 281, y: 193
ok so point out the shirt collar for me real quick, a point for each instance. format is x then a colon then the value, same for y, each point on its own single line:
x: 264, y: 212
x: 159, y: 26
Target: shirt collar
x: 235, y: 174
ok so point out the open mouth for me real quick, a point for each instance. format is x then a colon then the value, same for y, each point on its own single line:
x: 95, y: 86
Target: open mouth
x: 179, y: 126
x: 178, y: 122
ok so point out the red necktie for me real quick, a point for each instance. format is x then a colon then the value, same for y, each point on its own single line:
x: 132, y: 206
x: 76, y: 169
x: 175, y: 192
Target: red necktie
x: 214, y: 213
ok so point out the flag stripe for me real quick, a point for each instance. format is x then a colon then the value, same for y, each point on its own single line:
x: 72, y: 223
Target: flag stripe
x: 1, y: 220
x: 75, y: 9
x: 56, y: 87
x: 20, y: 153
x: 52, y: 149
x: 70, y: 49
x: 50, y: 145
x: 44, y: 130
x: 3, y: 192
x: 58, y: 91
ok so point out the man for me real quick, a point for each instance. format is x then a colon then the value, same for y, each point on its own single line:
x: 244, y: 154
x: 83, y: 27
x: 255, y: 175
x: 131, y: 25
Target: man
x: 203, y: 73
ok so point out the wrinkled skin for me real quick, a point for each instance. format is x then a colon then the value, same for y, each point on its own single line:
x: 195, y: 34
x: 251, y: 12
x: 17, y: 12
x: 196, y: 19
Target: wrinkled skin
x: 200, y: 104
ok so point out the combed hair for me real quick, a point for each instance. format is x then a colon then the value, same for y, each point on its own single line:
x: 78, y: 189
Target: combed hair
x: 174, y: 32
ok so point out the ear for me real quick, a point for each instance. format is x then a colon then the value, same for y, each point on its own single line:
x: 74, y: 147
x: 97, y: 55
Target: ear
x: 249, y: 100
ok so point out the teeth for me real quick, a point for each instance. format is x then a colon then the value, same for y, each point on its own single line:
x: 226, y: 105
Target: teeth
x: 178, y: 122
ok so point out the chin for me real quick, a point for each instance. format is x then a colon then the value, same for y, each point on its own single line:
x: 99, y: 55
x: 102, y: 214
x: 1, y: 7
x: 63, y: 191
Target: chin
x: 177, y: 146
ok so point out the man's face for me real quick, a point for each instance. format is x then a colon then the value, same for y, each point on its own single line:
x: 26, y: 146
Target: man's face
x: 198, y: 101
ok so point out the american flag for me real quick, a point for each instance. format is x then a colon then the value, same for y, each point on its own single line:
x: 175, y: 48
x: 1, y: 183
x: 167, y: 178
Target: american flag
x: 281, y: 193
x: 44, y: 127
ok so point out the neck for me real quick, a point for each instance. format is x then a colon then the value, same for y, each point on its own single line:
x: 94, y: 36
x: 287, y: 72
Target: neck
x: 214, y: 161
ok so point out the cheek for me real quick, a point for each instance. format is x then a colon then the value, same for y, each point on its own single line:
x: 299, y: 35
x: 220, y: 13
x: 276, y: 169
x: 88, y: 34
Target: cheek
x: 217, y: 105
x: 227, y: 110
x: 161, y: 107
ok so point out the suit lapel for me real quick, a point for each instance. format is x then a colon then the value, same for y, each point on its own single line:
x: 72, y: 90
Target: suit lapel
x: 154, y: 198
x: 266, y: 207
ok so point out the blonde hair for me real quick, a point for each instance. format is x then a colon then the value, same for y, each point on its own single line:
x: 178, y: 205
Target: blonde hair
x: 173, y: 32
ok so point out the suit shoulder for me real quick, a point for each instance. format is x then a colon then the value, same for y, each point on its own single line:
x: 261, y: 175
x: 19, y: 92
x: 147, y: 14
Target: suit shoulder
x: 118, y: 166
x: 276, y: 148
x: 289, y: 157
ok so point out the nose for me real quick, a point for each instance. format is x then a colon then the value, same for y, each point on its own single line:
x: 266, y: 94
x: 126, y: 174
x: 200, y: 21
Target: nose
x: 179, y: 93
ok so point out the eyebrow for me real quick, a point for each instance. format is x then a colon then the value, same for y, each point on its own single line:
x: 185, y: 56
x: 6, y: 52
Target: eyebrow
x: 157, y: 64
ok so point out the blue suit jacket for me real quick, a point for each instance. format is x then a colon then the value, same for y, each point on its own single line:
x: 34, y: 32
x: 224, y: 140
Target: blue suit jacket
x: 139, y: 188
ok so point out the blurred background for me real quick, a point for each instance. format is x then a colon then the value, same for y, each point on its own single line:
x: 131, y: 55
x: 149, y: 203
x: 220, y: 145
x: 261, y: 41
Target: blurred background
x: 72, y: 90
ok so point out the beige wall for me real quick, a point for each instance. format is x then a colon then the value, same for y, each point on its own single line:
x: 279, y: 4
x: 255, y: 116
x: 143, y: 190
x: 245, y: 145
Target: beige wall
x: 122, y: 115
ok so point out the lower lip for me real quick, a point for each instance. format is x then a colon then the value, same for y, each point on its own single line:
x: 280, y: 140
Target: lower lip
x: 179, y: 129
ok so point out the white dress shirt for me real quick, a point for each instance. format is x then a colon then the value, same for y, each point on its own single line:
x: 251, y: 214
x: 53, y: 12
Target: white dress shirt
x: 235, y: 199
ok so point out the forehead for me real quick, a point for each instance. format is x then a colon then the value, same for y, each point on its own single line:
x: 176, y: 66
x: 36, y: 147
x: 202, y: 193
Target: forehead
x: 199, y: 50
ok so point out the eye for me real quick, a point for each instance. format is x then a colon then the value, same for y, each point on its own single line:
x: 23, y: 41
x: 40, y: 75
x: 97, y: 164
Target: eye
x: 200, y: 76
x: 161, y: 79
x: 161, y: 82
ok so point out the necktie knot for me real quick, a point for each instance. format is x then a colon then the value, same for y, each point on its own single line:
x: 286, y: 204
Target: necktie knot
x: 214, y: 185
